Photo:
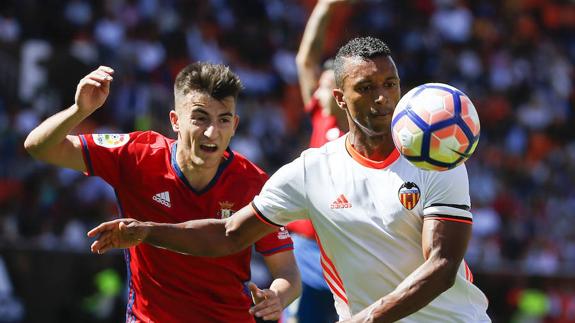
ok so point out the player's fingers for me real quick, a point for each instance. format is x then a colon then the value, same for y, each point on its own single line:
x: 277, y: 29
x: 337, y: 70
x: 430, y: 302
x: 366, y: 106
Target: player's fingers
x: 86, y: 81
x: 106, y: 226
x: 271, y: 312
x: 267, y: 307
x: 99, y: 78
x: 272, y: 317
x: 95, y: 231
x: 97, y: 247
x: 106, y: 69
x: 99, y: 229
x: 257, y: 294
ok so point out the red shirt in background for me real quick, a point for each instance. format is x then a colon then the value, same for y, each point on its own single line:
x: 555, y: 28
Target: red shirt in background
x: 324, y: 129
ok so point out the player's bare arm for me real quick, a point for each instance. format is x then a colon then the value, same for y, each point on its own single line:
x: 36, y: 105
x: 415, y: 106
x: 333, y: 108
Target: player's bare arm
x: 206, y: 237
x: 51, y: 142
x: 311, y: 47
x: 285, y: 288
x: 444, y: 244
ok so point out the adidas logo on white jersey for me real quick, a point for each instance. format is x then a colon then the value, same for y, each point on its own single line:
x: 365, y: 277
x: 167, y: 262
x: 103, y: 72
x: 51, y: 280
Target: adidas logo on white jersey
x: 163, y: 198
x: 340, y: 203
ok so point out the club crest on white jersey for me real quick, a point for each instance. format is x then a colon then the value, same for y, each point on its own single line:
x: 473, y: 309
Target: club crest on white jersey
x: 409, y: 195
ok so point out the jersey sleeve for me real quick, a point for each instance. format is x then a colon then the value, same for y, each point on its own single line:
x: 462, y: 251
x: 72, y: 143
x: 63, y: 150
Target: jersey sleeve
x: 102, y: 155
x: 283, y: 199
x: 448, y: 196
x: 274, y: 242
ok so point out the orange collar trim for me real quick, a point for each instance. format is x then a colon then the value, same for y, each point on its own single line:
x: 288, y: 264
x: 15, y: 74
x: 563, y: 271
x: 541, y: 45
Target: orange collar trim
x: 393, y: 156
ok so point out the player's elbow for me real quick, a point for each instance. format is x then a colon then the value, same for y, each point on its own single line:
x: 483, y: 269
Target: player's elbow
x: 32, y: 147
x: 303, y: 62
x: 39, y: 149
x: 447, y: 272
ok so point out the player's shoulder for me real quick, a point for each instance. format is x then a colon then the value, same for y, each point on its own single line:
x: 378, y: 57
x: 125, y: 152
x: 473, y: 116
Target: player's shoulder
x: 148, y: 143
x: 240, y: 164
x: 331, y: 149
x: 457, y: 176
x: 149, y: 137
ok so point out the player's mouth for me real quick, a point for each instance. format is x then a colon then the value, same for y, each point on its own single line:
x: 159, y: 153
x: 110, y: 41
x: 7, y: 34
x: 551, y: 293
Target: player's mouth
x: 380, y: 113
x: 209, y: 148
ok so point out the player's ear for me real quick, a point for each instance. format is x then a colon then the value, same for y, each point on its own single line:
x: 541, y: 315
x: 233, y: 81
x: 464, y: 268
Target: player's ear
x: 339, y: 98
x: 174, y: 120
x: 236, y: 123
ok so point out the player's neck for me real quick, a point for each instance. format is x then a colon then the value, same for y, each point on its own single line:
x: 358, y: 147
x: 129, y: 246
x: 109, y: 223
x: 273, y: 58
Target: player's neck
x: 375, y: 148
x: 198, y: 176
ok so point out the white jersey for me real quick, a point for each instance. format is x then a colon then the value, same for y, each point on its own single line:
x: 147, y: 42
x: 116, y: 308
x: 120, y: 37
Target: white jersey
x: 368, y: 217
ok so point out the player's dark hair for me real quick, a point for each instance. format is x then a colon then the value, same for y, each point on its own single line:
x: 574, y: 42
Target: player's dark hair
x: 217, y: 80
x: 362, y: 47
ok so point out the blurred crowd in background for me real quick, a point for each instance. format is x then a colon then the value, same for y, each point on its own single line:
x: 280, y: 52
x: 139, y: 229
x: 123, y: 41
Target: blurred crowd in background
x: 514, y: 59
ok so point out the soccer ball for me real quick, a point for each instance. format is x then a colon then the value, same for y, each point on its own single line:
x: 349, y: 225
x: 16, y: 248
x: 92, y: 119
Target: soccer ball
x: 435, y: 126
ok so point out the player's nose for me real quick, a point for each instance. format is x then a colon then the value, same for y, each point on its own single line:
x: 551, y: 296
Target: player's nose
x: 211, y: 131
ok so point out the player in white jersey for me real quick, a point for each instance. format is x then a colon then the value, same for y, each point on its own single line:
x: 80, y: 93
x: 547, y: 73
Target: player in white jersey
x: 393, y: 236
x: 358, y: 207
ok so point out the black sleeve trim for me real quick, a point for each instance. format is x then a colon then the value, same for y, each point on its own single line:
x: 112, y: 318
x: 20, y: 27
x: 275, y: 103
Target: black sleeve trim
x: 457, y: 206
x: 262, y: 217
x: 454, y: 217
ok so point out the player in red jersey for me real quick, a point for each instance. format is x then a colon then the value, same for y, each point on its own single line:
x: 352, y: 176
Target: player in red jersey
x: 166, y: 180
x: 329, y: 122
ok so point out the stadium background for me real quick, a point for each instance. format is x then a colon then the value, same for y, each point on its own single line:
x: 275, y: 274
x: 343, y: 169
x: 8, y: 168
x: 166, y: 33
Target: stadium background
x: 514, y: 59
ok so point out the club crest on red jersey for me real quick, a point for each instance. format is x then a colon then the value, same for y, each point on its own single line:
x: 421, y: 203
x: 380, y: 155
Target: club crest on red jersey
x: 226, y: 209
x: 409, y: 195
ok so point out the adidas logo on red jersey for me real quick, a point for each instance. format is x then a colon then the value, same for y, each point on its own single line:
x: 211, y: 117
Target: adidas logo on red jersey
x: 340, y: 203
x: 163, y: 198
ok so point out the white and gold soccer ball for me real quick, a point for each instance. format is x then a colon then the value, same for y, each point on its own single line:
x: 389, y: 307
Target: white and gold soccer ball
x: 435, y: 126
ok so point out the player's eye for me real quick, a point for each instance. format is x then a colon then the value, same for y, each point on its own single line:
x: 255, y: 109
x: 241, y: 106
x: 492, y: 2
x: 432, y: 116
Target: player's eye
x: 390, y: 84
x: 199, y: 120
x: 364, y: 88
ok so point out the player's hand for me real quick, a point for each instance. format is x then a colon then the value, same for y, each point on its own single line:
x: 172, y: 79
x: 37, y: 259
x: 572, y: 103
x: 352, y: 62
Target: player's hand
x: 267, y: 303
x: 366, y: 315
x: 117, y: 234
x: 92, y: 91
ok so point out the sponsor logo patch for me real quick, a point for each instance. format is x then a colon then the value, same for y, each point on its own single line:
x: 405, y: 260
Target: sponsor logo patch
x: 111, y: 140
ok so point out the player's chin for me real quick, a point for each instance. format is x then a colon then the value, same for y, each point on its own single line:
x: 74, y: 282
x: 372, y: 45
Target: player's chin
x: 380, y: 129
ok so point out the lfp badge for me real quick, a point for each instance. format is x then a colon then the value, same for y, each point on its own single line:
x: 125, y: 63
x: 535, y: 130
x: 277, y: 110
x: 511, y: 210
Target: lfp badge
x: 226, y: 209
x: 111, y: 140
x: 409, y: 195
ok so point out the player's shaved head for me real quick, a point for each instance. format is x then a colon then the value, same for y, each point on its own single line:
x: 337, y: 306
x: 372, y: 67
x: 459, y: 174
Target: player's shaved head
x: 216, y: 80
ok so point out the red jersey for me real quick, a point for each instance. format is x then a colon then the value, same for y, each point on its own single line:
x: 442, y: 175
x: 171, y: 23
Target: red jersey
x: 324, y: 129
x: 165, y: 286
